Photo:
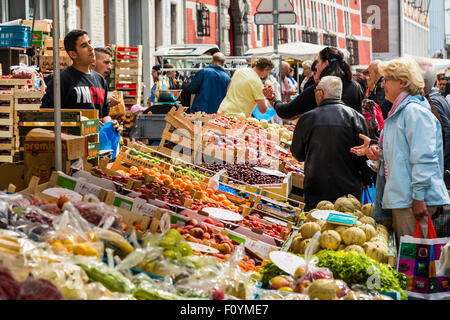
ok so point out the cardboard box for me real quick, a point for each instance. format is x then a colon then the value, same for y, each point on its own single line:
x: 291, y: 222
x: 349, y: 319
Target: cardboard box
x: 39, y: 25
x: 39, y: 152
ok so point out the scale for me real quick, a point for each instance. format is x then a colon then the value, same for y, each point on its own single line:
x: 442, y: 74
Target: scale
x: 222, y: 214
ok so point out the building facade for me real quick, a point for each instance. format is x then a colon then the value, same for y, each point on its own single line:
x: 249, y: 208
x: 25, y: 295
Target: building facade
x: 400, y: 27
x: 437, y: 28
x: 231, y: 25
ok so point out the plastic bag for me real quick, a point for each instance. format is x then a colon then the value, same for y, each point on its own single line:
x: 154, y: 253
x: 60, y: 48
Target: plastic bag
x: 215, y: 180
x: 310, y: 272
x: 99, y: 214
x: 109, y: 139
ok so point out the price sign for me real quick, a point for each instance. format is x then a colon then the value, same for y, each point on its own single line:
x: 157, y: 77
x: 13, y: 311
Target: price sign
x: 259, y: 247
x: 140, y: 206
x: 87, y: 188
x: 287, y: 262
x: 202, y: 248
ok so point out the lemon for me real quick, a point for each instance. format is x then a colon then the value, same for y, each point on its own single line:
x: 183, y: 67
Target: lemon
x: 185, y: 249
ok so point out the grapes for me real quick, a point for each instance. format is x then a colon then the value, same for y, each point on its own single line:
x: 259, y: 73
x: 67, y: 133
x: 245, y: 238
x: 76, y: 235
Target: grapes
x: 244, y: 172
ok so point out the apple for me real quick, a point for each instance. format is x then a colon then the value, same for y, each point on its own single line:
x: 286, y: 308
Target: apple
x: 302, y: 286
x: 218, y: 294
x: 192, y: 222
x: 196, y: 232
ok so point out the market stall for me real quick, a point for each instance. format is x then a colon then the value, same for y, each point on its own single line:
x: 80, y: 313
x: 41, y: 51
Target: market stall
x: 218, y: 231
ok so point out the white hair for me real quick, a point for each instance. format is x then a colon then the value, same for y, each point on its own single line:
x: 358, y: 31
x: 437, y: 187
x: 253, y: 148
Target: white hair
x: 331, y: 86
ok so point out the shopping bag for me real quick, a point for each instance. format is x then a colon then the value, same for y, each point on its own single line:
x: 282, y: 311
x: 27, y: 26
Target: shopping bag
x: 419, y: 259
x: 109, y: 138
x: 368, y: 194
x: 268, y: 115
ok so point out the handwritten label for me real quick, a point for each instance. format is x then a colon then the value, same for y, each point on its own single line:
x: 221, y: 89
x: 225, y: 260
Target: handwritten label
x: 123, y: 203
x: 87, y: 188
x: 140, y: 206
x: 259, y: 247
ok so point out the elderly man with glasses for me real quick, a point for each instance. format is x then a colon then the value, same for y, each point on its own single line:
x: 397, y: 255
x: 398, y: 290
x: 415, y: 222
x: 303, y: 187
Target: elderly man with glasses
x: 323, y: 140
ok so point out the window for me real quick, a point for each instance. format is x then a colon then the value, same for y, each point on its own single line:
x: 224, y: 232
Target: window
x: 311, y: 37
x: 352, y: 48
x: 324, y: 14
x: 346, y: 22
x: 314, y: 14
x: 333, y: 19
x: 258, y: 32
x: 283, y: 35
x: 329, y: 40
x: 303, y: 16
x: 203, y: 21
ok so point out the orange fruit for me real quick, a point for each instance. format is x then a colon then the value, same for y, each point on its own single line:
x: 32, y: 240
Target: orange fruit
x: 146, y: 170
x: 140, y: 168
x: 209, y: 192
x: 182, y: 185
x: 186, y: 178
x: 221, y: 196
x: 197, y: 188
x: 214, y: 197
x: 195, y: 183
x: 177, y: 181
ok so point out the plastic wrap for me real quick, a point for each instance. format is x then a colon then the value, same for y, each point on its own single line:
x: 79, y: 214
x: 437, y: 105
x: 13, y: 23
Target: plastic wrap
x: 311, y: 272
x: 99, y: 214
x: 226, y: 276
x: 444, y: 262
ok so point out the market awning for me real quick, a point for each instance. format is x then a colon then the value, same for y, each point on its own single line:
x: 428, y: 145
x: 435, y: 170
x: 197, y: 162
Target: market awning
x: 439, y: 65
x: 293, y: 50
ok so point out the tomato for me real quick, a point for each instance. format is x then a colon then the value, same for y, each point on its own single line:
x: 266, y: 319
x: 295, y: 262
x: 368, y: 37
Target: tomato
x: 208, y: 220
x: 219, y: 224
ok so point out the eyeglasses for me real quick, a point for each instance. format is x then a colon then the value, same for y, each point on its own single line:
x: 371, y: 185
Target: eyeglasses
x: 388, y: 78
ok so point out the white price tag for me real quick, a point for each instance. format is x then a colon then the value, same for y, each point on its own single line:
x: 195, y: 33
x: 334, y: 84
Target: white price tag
x: 259, y: 247
x: 140, y: 206
x: 125, y: 206
x: 87, y: 188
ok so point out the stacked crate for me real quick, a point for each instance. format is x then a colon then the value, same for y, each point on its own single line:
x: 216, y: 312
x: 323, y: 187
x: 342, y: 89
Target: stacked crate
x: 17, y: 95
x: 38, y: 40
x: 111, y: 79
x: 46, y: 58
x: 128, y: 74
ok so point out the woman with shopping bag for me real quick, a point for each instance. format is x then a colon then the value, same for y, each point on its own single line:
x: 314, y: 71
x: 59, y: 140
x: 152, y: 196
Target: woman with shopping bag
x: 411, y: 150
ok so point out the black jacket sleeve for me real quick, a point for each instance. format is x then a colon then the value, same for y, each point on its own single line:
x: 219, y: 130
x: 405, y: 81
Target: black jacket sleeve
x: 300, y: 139
x: 303, y: 103
x: 47, y: 99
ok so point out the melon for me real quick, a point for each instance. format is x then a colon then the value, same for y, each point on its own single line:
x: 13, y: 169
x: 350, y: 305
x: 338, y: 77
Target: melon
x: 368, y: 209
x: 328, y: 226
x: 379, y: 254
x: 369, y: 231
x: 341, y: 229
x: 368, y: 220
x: 354, y: 235
x: 330, y: 240
x: 309, y: 217
x: 304, y: 244
x: 355, y: 248
x: 357, y: 213
x: 309, y: 229
x: 325, y: 205
x: 295, y: 244
x: 344, y: 204
x: 382, y: 228
x: 356, y: 204
x: 358, y: 224
x: 323, y: 289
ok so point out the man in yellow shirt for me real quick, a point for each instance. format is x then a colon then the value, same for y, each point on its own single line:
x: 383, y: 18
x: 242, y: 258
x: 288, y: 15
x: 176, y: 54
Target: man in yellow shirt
x: 246, y: 89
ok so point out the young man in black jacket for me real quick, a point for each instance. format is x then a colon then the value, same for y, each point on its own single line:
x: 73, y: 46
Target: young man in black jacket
x: 323, y: 139
x: 81, y: 87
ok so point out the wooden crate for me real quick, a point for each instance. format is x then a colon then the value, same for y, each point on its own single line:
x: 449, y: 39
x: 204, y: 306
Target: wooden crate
x: 46, y: 62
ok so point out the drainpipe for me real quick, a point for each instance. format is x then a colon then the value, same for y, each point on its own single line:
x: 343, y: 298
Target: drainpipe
x: 184, y: 22
x: 219, y: 24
